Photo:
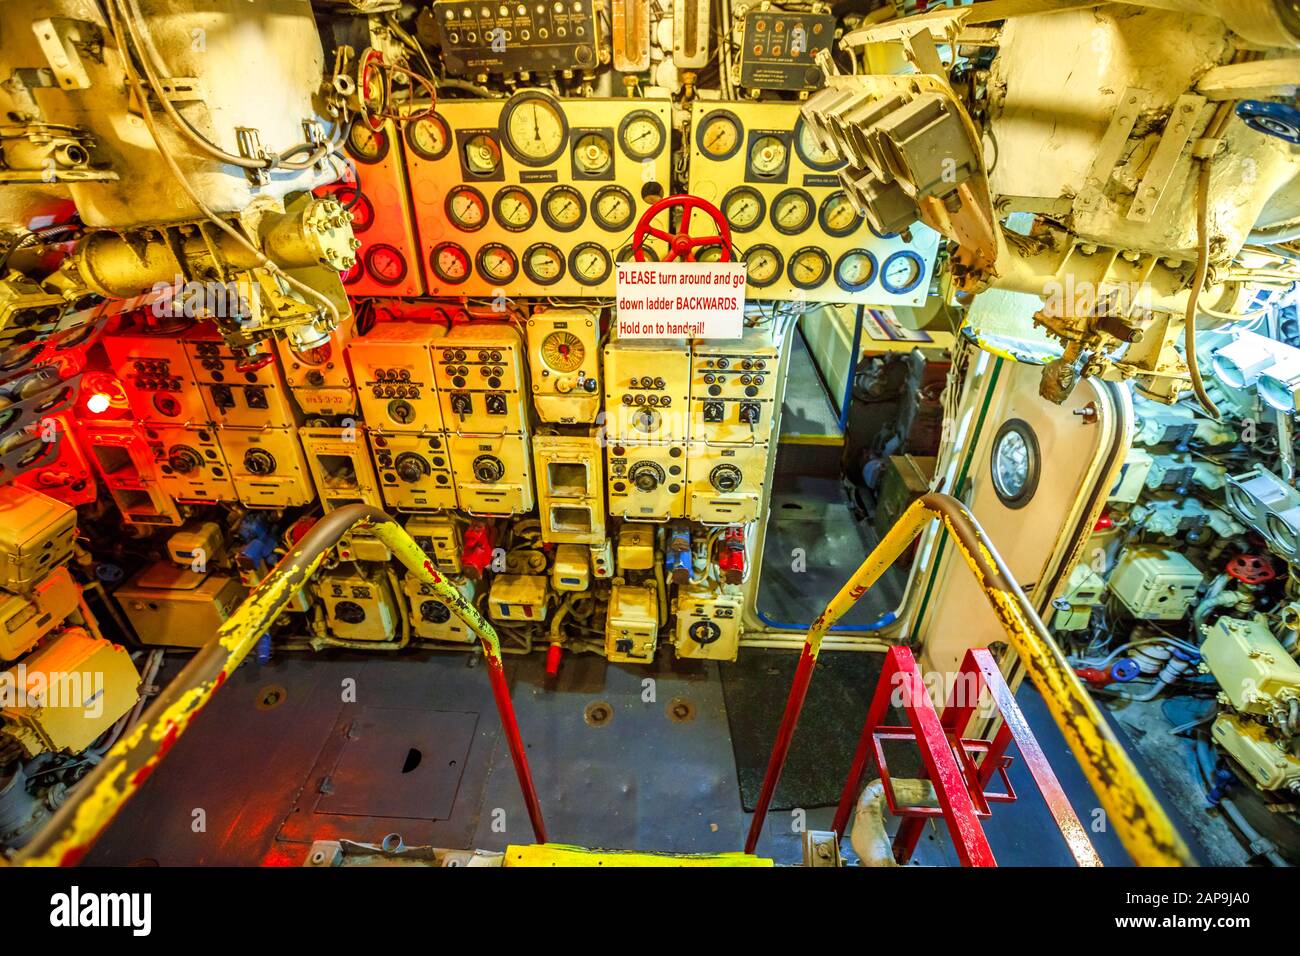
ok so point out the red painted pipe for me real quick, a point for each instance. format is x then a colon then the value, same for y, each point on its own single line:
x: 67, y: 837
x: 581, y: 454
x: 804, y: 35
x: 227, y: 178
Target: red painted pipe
x: 853, y: 782
x: 785, y: 734
x: 497, y: 677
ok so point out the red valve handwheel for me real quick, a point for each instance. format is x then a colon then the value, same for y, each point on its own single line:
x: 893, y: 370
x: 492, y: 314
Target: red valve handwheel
x: 682, y: 244
x: 1251, y: 569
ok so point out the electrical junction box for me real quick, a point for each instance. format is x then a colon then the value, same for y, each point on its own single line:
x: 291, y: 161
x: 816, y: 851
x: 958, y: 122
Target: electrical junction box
x: 1254, y: 670
x: 1083, y: 592
x: 68, y: 693
x: 1132, y: 478
x: 357, y: 608
x: 632, y: 625
x: 564, y: 358
x: 571, y: 570
x: 636, y: 548
x: 1264, y: 756
x: 26, y: 618
x: 708, y: 623
x: 431, y: 618
x: 1155, y: 584
x: 196, y: 545
x: 36, y: 533
x: 175, y: 607
x: 602, y: 559
x: 359, y: 546
x: 439, y: 537
x: 518, y: 597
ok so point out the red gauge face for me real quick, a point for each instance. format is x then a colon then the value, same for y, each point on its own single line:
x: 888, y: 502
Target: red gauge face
x: 450, y: 262
x: 385, y: 264
x: 352, y: 275
x: 363, y: 211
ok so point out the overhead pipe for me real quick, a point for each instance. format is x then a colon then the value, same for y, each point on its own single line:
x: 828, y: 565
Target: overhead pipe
x: 74, y: 828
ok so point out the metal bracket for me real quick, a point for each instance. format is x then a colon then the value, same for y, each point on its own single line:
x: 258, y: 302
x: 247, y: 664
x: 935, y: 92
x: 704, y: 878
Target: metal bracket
x: 250, y: 147
x: 58, y: 45
x: 1178, y: 132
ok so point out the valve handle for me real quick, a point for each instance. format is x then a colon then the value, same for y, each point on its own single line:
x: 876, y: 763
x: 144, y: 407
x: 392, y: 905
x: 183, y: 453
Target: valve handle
x: 682, y: 244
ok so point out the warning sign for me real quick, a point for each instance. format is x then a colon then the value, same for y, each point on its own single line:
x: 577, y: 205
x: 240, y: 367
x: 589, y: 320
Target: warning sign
x: 702, y: 300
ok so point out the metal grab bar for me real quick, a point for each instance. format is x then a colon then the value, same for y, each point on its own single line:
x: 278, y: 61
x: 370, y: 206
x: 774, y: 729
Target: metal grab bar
x: 1140, y: 821
x: 73, y: 830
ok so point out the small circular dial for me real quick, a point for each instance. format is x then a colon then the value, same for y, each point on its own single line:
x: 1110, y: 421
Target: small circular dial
x: 466, y: 208
x: 488, y: 469
x: 763, y: 265
x: 854, y: 270
x: 792, y: 211
x: 365, y: 144
x: 514, y: 208
x: 429, y: 137
x: 259, y: 461
x: 719, y: 135
x: 767, y: 156
x: 612, y: 208
x: 534, y: 128
x: 641, y: 135
x: 726, y: 478
x: 482, y: 155
x: 837, y: 215
x: 435, y: 612
x: 563, y: 208
x: 450, y: 262
x: 744, y: 207
x: 646, y: 475
x: 385, y: 264
x: 563, y: 351
x: 902, y: 272
x: 543, y: 263
x: 814, y: 155
x: 808, y: 267
x: 590, y: 263
x: 592, y: 154
x: 628, y: 254
x: 362, y: 209
x: 497, y: 263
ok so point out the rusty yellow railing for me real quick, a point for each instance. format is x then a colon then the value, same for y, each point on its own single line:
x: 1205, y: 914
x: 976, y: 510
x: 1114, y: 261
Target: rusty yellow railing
x: 98, y: 798
x: 1138, y: 818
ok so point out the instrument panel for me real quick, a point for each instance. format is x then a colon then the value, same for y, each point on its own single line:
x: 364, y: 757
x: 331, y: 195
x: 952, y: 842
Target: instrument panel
x: 797, y: 230
x: 534, y: 195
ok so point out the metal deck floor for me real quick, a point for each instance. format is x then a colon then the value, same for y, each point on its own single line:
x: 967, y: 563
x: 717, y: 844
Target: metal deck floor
x: 243, y: 786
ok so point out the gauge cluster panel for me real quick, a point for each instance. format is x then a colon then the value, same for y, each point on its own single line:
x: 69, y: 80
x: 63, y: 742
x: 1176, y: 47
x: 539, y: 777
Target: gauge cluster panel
x: 478, y: 37
x: 777, y: 48
x: 534, y: 195
x: 796, y: 229
x: 388, y: 259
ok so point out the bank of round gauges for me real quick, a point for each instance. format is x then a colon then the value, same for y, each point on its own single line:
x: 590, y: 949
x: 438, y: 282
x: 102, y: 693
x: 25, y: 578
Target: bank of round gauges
x: 588, y: 263
x: 809, y: 267
x: 534, y: 131
x: 562, y: 207
x: 722, y: 134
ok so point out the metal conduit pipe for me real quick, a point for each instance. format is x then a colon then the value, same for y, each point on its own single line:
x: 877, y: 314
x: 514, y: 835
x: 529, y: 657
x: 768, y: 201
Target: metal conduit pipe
x: 73, y: 830
x: 1140, y: 821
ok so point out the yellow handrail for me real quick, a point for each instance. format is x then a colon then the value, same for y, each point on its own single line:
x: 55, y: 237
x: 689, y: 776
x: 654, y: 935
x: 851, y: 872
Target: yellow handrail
x: 124, y: 769
x: 1138, y: 818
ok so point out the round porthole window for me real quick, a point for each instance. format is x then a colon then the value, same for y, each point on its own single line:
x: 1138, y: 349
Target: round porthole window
x: 1015, y: 463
